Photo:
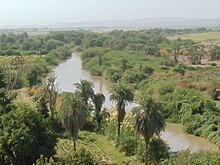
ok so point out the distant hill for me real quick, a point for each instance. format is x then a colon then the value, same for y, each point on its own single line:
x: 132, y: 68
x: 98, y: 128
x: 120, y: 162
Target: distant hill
x: 144, y: 23
x: 163, y: 22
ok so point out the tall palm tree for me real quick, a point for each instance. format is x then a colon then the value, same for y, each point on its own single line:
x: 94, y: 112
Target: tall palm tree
x: 98, y: 101
x: 85, y: 89
x: 121, y: 94
x: 51, y: 93
x: 149, y: 121
x: 73, y: 114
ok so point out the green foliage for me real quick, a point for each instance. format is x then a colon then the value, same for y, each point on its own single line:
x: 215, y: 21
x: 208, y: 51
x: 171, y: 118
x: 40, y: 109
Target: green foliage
x: 38, y: 70
x: 50, y: 96
x: 113, y: 74
x: 129, y: 144
x: 148, y: 70
x: 81, y: 157
x: 96, y: 71
x: 93, y: 52
x: 122, y: 95
x: 85, y: 89
x: 44, y: 161
x: 196, y: 53
x: 120, y: 56
x: 6, y: 100
x: 215, y: 53
x: 152, y: 50
x: 188, y: 158
x: 166, y: 87
x: 180, y: 68
x: 110, y: 129
x: 100, y: 114
x: 24, y: 135
x: 133, y: 77
x: 190, y: 108
x: 148, y: 121
x: 213, y: 64
x: 73, y: 114
x: 159, y: 150
x: 132, y: 144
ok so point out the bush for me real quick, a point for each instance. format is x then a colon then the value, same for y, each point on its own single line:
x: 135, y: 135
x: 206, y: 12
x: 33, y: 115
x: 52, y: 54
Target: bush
x: 180, y: 68
x: 80, y: 157
x: 113, y: 74
x: 164, y: 68
x: 45, y: 161
x: 148, y: 70
x: 92, y: 52
x: 129, y: 145
x: 96, y: 71
x: 159, y: 150
x: 188, y: 158
x: 167, y: 87
x: 24, y: 136
x: 213, y: 64
x: 133, y: 77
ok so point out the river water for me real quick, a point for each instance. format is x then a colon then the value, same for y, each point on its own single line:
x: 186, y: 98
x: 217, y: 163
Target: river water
x: 71, y: 72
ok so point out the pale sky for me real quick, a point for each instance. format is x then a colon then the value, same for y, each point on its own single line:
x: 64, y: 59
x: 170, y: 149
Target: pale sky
x: 39, y: 12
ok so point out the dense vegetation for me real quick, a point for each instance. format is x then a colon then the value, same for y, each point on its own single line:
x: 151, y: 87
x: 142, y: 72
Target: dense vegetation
x: 168, y: 78
x: 187, y: 91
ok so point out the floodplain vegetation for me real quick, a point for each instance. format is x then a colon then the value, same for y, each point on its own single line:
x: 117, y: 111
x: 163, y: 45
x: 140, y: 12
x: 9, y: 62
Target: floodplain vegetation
x: 173, y: 78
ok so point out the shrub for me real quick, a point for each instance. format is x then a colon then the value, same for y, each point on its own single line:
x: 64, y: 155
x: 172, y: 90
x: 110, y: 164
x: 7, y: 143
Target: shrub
x: 159, y: 150
x: 148, y: 70
x: 133, y: 77
x: 80, y: 157
x: 113, y: 74
x: 197, y: 158
x: 96, y: 71
x: 164, y: 68
x: 25, y: 135
x: 167, y: 87
x: 213, y: 64
x: 129, y: 145
x: 45, y: 161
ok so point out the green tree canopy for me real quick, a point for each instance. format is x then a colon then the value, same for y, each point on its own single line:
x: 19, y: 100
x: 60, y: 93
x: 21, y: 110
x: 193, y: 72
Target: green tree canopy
x: 149, y: 120
x: 73, y: 114
x: 24, y: 135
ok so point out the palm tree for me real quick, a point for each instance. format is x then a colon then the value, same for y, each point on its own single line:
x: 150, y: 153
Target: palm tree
x: 51, y: 93
x: 85, y: 89
x: 73, y: 114
x: 149, y: 120
x: 121, y: 95
x: 98, y: 101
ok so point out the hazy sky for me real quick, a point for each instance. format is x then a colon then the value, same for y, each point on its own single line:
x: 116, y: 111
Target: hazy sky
x: 26, y: 12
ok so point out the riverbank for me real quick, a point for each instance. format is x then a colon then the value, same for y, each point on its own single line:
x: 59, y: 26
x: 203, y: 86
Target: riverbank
x: 187, y: 92
x: 71, y: 72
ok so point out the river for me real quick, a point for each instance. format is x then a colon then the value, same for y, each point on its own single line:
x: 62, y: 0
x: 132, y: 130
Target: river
x: 71, y: 72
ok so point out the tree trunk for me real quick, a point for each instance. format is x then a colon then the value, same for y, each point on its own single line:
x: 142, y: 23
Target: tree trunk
x: 175, y: 58
x: 119, y: 131
x: 146, y: 151
x: 74, y: 144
